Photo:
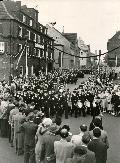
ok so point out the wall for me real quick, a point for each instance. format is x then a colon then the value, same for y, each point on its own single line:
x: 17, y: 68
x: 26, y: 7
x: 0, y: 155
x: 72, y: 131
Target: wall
x: 59, y: 39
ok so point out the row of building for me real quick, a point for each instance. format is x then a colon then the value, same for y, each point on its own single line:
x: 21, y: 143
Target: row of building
x: 112, y: 58
x: 26, y: 46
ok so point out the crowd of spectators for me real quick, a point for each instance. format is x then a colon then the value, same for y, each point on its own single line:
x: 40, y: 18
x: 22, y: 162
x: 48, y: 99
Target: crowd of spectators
x: 31, y: 112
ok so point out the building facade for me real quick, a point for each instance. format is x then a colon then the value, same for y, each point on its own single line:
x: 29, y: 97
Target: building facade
x: 113, y: 58
x: 25, y: 46
x: 66, y: 50
x: 85, y: 62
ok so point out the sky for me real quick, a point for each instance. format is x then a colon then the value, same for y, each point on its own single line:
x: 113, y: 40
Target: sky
x: 95, y: 21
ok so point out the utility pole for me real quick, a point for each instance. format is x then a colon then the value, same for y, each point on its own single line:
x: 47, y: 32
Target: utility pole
x: 99, y: 62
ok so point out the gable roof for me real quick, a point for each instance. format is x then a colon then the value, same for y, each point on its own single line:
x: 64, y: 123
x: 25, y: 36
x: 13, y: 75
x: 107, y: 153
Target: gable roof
x: 72, y: 37
x: 4, y: 12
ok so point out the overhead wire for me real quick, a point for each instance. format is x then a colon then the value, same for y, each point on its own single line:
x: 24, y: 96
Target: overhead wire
x: 87, y: 56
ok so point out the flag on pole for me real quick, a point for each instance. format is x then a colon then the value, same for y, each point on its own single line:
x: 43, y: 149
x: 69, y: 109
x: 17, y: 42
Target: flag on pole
x: 21, y: 53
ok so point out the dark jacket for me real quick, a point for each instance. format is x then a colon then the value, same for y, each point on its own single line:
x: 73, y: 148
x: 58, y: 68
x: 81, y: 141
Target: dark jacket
x: 100, y: 150
x: 47, y: 147
x: 29, y: 129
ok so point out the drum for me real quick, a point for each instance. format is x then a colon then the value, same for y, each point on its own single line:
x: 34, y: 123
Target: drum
x: 79, y: 104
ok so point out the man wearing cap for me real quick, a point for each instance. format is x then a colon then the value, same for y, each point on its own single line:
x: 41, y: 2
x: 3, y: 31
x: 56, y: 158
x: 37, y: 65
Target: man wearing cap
x: 98, y: 147
x: 62, y: 148
x: 77, y: 139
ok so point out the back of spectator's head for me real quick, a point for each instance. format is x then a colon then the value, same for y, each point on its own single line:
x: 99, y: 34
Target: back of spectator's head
x: 80, y: 150
x: 64, y: 133
x: 83, y: 128
x: 57, y: 120
x: 97, y: 122
x: 97, y: 132
x: 47, y: 122
x: 86, y: 138
x: 66, y: 127
x: 31, y: 116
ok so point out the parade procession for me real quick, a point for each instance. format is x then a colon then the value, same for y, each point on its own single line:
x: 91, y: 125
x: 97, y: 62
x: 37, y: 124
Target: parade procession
x: 59, y: 100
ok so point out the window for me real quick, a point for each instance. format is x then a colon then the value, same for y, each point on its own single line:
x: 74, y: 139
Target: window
x: 38, y: 39
x: 20, y: 31
x: 19, y: 47
x: 41, y: 53
x: 38, y: 53
x: 21, y: 70
x: 28, y: 50
x: 35, y: 38
x: 2, y: 47
x: 81, y: 53
x: 28, y: 34
x: 24, y: 18
x: 31, y: 23
x: 1, y: 29
x: 32, y: 70
x: 34, y: 52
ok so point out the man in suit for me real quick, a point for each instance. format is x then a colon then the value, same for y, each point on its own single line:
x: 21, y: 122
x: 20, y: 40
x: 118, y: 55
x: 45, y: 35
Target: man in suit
x: 62, y: 148
x: 98, y: 147
x: 90, y: 156
x: 47, y: 145
x: 29, y: 128
x: 79, y: 155
x: 98, y: 124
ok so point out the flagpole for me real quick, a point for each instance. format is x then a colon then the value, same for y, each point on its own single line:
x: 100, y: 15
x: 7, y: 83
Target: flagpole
x: 46, y: 69
x: 26, y: 61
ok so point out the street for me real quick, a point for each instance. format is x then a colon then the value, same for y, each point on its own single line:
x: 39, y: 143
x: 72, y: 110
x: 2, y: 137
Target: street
x: 111, y: 125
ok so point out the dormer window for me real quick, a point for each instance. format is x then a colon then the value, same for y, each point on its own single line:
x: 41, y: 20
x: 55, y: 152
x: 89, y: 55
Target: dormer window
x: 31, y: 23
x: 24, y: 18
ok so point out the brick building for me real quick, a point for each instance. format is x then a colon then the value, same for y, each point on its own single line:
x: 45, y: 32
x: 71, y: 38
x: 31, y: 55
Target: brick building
x: 113, y: 58
x: 21, y: 34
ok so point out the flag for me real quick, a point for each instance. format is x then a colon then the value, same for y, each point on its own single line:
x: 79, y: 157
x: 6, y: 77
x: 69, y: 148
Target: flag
x: 21, y: 53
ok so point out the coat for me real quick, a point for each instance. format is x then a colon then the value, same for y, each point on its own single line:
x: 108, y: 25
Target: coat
x: 47, y: 147
x: 100, y: 150
x: 29, y: 129
x: 63, y: 150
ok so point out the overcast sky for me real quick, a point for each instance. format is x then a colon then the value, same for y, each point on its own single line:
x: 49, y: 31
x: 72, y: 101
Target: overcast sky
x: 95, y: 21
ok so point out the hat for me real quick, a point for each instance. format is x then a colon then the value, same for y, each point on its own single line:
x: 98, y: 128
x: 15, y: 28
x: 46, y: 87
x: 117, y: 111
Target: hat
x: 47, y: 122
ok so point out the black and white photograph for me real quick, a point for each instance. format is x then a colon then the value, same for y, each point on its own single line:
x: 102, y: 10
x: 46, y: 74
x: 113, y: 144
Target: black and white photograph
x: 59, y: 81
